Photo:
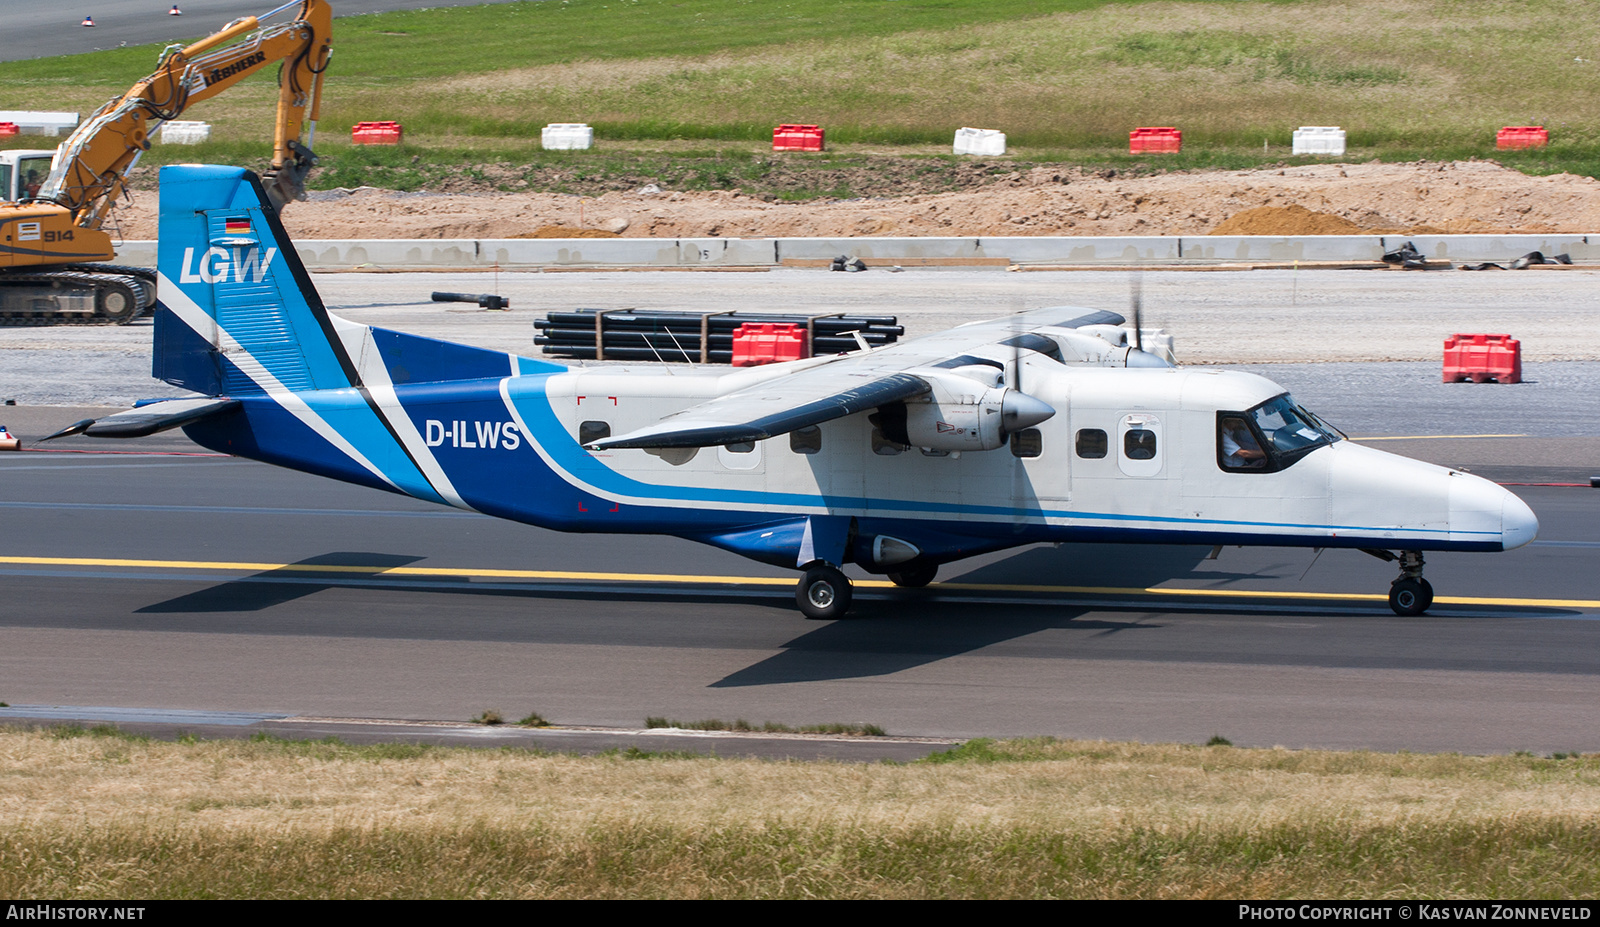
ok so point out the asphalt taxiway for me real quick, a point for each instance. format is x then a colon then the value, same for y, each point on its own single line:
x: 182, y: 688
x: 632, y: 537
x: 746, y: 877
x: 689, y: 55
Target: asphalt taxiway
x: 199, y: 584
x: 50, y: 30
x: 208, y: 583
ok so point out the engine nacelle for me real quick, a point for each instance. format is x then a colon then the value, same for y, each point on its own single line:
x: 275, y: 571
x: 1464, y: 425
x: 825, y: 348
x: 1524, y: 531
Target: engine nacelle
x: 962, y: 414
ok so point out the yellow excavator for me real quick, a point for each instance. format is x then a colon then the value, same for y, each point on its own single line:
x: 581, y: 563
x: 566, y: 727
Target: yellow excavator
x: 52, y: 248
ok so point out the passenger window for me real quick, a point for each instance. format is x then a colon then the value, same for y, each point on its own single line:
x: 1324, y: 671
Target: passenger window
x: 741, y: 447
x: 1092, y: 443
x: 1027, y: 443
x: 1139, y: 444
x: 590, y: 432
x: 807, y: 440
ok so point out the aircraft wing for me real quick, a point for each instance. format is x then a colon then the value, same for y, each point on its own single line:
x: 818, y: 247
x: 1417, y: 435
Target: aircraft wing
x: 853, y: 383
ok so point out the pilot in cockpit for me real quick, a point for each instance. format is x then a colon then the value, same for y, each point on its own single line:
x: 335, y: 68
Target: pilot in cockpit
x: 1239, y: 448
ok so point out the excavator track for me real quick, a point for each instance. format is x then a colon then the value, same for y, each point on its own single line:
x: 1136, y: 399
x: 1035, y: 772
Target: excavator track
x: 85, y: 294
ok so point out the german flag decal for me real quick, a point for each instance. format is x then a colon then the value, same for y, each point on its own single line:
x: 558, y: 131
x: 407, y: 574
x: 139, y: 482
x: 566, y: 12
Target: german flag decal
x: 239, y: 226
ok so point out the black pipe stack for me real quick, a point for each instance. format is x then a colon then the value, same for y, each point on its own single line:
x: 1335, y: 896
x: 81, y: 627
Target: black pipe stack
x: 629, y: 335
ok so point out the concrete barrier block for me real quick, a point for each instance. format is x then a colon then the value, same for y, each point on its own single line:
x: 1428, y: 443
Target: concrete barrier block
x: 572, y: 136
x: 531, y: 254
x: 1319, y: 140
x: 1130, y: 249
x: 1475, y: 249
x: 34, y: 122
x: 727, y: 252
x: 970, y: 141
x: 1274, y: 248
x: 184, y: 132
x: 881, y: 248
x: 595, y: 252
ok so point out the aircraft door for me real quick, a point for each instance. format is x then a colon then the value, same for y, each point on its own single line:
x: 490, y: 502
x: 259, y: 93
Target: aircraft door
x: 1140, y: 446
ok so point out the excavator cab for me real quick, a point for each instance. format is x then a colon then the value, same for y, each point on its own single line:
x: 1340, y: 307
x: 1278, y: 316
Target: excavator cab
x: 21, y: 173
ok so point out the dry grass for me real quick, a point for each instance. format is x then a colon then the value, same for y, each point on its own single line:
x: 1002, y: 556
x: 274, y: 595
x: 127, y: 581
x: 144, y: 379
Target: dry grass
x: 115, y: 817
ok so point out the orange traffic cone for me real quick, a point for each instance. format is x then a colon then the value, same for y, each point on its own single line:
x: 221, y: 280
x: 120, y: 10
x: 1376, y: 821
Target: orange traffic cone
x: 88, y: 20
x: 7, y: 442
x: 174, y: 11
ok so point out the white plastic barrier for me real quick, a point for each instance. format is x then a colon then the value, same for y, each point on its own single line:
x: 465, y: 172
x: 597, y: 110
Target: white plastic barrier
x: 1319, y: 140
x: 30, y: 122
x: 980, y: 141
x: 567, y: 135
x: 184, y: 132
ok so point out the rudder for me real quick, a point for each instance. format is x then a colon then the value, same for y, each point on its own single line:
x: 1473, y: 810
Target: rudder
x: 238, y: 314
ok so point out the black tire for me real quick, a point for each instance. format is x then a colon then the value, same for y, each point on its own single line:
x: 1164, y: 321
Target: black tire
x: 1410, y: 597
x: 117, y: 303
x: 823, y: 593
x: 916, y: 577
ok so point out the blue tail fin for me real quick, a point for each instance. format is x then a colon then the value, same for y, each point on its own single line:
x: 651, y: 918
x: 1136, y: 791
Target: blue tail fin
x: 239, y: 317
x: 239, y: 314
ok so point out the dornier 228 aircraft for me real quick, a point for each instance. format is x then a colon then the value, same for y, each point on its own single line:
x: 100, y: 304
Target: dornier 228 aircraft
x: 1045, y: 426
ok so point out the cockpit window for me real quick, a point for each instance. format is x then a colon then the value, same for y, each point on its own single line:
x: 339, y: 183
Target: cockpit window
x: 1271, y: 436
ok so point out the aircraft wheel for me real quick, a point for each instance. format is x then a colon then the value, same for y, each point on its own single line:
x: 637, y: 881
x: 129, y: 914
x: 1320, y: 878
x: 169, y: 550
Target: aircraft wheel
x: 823, y: 593
x: 1410, y: 597
x: 916, y: 577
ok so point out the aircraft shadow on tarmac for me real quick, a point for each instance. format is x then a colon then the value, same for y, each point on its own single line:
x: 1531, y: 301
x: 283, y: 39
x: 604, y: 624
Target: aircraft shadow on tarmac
x: 891, y: 630
x: 900, y: 638
x: 888, y: 632
x: 269, y: 587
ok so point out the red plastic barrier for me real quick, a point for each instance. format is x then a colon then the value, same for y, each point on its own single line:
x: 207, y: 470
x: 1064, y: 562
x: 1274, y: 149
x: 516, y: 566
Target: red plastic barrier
x: 375, y: 133
x: 767, y: 343
x: 1521, y: 137
x: 8, y: 128
x: 797, y: 138
x: 1155, y: 138
x: 1482, y: 358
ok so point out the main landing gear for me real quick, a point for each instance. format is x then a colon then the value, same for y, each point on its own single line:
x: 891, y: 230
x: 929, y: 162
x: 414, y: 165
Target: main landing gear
x: 1409, y: 594
x: 823, y: 593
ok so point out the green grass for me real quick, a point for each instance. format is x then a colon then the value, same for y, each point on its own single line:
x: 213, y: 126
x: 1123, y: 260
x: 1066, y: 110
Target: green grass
x: 1065, y: 79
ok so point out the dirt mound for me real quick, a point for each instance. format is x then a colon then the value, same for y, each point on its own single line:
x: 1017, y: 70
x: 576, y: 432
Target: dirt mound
x: 1454, y: 197
x: 563, y: 231
x: 1285, y: 220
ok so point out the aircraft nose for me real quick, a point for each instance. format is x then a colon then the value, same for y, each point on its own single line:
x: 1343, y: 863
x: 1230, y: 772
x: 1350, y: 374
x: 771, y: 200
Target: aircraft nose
x: 1479, y: 507
x: 1518, y: 524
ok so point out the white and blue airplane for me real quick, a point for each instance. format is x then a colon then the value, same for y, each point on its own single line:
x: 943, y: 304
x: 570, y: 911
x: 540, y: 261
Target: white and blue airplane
x: 1051, y: 425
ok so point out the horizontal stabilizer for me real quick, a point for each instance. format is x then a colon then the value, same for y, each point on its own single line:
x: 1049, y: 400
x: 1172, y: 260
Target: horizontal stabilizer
x: 158, y: 416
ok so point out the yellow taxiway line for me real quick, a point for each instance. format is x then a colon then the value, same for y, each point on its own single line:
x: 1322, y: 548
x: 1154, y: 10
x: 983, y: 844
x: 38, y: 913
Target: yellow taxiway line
x: 687, y: 579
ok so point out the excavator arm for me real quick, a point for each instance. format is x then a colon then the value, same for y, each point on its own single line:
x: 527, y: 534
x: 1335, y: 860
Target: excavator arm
x: 50, y: 244
x: 90, y: 169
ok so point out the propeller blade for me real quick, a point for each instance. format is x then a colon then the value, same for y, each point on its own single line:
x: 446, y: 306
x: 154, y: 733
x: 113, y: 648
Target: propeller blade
x: 1136, y: 304
x: 1016, y: 348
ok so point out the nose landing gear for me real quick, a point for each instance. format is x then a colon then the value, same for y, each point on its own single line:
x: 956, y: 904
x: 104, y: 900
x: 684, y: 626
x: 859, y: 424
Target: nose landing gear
x: 1409, y: 594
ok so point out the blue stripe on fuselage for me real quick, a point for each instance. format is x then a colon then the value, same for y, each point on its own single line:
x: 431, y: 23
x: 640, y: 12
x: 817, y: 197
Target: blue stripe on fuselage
x: 528, y: 395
